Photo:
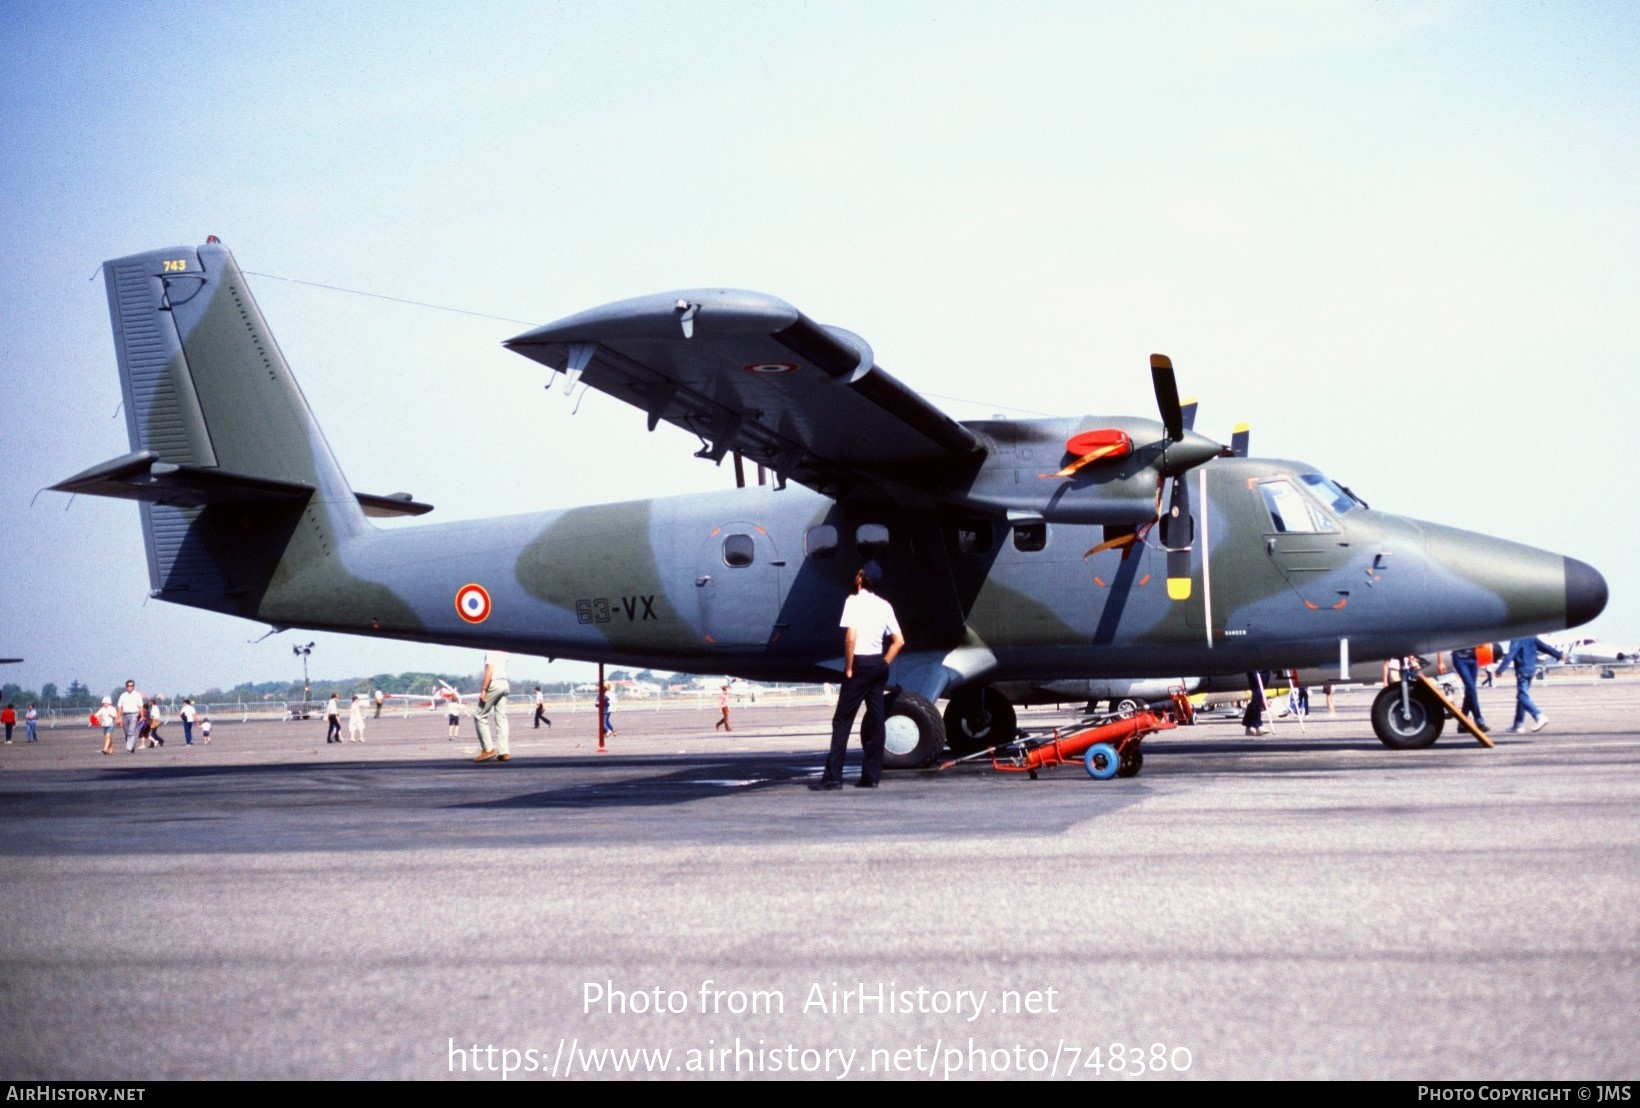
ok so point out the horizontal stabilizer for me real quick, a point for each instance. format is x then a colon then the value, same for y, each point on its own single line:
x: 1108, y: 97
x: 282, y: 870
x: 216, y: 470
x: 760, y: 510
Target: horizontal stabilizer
x: 393, y: 504
x: 142, y: 476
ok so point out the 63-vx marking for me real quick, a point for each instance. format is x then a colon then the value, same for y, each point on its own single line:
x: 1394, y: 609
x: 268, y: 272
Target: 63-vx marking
x: 598, y: 609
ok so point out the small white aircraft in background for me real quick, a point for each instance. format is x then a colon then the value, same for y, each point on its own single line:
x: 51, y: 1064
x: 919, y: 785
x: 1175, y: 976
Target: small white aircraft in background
x: 1594, y: 652
x: 432, y: 701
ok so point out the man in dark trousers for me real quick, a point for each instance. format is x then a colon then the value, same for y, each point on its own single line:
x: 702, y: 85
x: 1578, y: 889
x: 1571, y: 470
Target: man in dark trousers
x: 1523, y: 655
x: 1252, y: 720
x: 868, y: 624
x: 1468, y: 667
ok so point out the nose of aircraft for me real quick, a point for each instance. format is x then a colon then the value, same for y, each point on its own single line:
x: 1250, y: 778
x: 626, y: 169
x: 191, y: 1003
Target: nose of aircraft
x: 1585, y: 592
x: 1503, y: 589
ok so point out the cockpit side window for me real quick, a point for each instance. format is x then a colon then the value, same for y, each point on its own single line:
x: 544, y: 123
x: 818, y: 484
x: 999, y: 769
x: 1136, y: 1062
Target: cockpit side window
x: 1329, y: 492
x: 1290, y: 511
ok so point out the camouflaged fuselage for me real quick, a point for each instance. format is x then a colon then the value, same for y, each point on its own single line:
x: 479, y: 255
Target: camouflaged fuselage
x: 749, y: 582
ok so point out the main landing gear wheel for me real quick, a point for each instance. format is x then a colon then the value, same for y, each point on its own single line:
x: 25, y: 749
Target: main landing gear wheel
x: 1126, y: 705
x: 1102, y: 762
x: 913, y: 735
x: 1415, y: 728
x: 978, y: 718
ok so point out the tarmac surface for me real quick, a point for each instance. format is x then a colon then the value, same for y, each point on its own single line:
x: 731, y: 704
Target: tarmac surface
x: 1304, y: 905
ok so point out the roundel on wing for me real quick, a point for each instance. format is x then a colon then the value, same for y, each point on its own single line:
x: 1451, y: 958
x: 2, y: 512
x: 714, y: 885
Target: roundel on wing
x: 770, y: 367
x: 473, y: 603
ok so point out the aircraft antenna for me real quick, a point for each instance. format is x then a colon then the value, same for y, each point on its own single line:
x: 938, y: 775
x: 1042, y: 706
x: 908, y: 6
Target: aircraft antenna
x: 384, y: 296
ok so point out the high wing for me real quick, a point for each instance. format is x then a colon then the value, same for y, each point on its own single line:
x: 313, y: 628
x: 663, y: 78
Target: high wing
x: 751, y: 374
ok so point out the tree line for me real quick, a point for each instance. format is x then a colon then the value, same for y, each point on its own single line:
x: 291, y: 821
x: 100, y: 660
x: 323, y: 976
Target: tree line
x: 414, y: 683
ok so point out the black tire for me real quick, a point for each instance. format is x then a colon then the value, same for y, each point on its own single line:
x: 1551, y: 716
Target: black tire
x: 979, y: 718
x: 1126, y: 705
x: 1415, y: 731
x: 915, y: 734
x: 1133, y: 760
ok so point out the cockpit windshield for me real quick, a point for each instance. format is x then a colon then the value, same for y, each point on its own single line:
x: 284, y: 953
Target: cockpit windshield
x: 1330, y: 493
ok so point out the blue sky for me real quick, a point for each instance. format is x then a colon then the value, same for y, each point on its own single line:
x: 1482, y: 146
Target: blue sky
x: 1401, y: 239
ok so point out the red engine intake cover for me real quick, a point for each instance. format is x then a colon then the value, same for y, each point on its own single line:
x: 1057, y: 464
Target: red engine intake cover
x: 1108, y: 441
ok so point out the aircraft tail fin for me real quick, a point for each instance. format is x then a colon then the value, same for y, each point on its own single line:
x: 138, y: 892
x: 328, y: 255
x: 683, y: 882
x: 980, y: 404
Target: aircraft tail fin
x: 234, y: 477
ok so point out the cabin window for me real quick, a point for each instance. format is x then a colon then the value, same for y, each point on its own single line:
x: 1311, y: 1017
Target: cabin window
x: 973, y: 536
x: 1290, y: 511
x: 872, y: 539
x: 1030, y: 537
x: 738, y: 551
x: 821, y: 541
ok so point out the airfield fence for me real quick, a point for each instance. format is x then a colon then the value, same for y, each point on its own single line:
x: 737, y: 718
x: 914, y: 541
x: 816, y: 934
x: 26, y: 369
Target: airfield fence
x: 56, y: 715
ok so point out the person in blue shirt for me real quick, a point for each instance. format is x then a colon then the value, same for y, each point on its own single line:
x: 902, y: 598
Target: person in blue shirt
x: 1523, y: 653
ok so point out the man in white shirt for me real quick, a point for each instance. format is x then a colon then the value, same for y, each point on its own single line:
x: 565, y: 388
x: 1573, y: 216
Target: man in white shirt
x: 868, y: 624
x: 130, y: 707
x: 355, y: 719
x: 491, y: 717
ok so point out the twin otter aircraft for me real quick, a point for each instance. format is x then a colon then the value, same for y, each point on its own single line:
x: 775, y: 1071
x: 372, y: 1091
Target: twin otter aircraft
x: 1020, y: 551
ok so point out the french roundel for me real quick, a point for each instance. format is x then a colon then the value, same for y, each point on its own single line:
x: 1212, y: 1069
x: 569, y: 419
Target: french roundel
x: 473, y: 603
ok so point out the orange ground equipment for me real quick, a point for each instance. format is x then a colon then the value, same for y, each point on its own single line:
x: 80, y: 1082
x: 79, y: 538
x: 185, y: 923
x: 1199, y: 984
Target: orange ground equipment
x: 1107, y: 746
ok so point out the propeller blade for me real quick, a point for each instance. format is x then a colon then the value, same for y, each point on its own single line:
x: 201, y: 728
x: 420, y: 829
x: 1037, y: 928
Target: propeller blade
x: 1178, y: 533
x: 1238, y: 441
x: 1178, y: 526
x: 1189, y: 409
x: 1178, y: 575
x: 1167, y: 396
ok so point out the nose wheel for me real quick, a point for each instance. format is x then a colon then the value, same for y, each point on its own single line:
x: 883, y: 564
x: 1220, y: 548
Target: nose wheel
x: 1407, y: 716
